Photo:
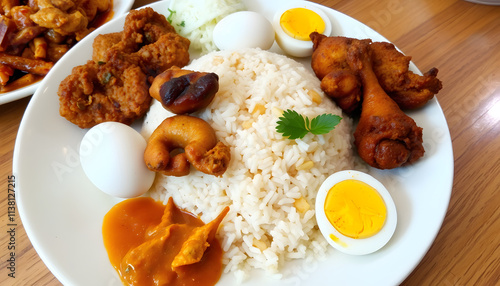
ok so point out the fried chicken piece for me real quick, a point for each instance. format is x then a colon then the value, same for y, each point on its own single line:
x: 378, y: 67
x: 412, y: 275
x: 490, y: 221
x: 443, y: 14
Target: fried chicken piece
x: 385, y: 137
x: 391, y: 67
x: 103, y: 43
x: 62, y: 22
x: 169, y: 50
x: 338, y: 80
x: 148, y: 40
x: 407, y: 89
x: 97, y: 92
x: 6, y: 5
x: 145, y: 26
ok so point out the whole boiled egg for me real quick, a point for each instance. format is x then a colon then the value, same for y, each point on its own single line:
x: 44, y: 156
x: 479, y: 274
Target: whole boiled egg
x: 293, y: 24
x: 355, y: 212
x: 111, y: 155
x: 243, y: 29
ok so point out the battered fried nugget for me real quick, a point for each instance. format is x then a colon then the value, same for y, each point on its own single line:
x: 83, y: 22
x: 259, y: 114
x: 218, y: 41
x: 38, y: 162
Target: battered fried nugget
x: 103, y: 43
x: 145, y: 26
x: 169, y: 50
x: 114, y: 91
x: 148, y: 40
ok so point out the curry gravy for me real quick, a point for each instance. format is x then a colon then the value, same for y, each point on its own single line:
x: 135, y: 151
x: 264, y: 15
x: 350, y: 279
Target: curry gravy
x: 143, y: 236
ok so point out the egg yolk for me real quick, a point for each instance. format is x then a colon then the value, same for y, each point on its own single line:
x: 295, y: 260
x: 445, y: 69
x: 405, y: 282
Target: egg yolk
x: 355, y: 209
x: 299, y: 23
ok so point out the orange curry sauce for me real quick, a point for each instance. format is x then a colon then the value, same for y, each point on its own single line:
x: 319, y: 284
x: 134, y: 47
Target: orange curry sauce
x: 142, y: 243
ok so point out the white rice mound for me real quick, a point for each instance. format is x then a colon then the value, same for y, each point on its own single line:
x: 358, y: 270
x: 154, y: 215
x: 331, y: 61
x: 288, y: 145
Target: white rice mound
x: 267, y: 172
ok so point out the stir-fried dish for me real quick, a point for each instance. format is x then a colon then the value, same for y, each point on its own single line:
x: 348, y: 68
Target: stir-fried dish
x: 35, y: 34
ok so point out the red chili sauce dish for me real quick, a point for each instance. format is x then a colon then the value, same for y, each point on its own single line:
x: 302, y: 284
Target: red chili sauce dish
x: 149, y: 243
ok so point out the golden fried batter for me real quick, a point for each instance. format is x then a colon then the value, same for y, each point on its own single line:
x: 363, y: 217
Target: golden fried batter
x: 103, y: 43
x: 114, y: 91
x: 169, y: 50
x: 148, y: 40
x: 115, y: 85
x: 341, y: 83
x: 408, y: 89
x: 338, y: 81
x: 385, y: 136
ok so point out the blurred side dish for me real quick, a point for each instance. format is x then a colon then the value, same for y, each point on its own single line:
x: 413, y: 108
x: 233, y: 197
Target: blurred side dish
x: 34, y: 34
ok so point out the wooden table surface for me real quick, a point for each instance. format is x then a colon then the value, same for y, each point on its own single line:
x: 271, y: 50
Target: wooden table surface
x: 462, y: 40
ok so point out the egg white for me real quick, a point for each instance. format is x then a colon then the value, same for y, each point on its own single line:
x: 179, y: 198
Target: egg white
x: 295, y: 47
x: 348, y: 245
x: 111, y: 155
x: 243, y: 29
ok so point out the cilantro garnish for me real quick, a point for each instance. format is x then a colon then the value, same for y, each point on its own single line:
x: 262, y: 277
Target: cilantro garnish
x: 293, y: 125
x: 172, y: 12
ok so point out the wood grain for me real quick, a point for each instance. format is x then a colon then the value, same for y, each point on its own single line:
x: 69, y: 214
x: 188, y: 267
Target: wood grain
x: 462, y: 40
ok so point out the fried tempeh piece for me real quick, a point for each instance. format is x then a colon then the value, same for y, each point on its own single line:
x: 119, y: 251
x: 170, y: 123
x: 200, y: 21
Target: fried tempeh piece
x: 34, y: 66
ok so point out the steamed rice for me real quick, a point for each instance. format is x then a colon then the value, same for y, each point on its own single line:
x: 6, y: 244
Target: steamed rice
x: 268, y: 175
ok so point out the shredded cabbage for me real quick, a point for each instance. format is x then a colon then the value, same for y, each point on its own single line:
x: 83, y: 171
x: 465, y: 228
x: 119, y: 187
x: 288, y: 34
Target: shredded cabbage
x: 196, y: 19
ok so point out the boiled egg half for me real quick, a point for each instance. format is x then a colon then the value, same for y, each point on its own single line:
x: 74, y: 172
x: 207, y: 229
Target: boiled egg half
x: 293, y: 24
x: 355, y: 212
x: 112, y: 157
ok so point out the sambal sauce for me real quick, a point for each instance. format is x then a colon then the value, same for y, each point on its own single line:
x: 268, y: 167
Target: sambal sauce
x: 149, y: 243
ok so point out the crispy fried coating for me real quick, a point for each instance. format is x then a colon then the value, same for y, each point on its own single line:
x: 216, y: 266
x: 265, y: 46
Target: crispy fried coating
x: 148, y: 40
x: 114, y: 85
x: 408, y: 89
x: 103, y: 43
x: 200, y: 144
x: 342, y: 84
x: 338, y: 80
x: 169, y: 50
x: 114, y: 91
x: 385, y: 136
x: 145, y: 26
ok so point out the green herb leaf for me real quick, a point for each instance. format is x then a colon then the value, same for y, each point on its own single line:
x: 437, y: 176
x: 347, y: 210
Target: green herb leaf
x: 172, y: 12
x: 293, y: 125
x: 106, y: 78
x: 324, y: 123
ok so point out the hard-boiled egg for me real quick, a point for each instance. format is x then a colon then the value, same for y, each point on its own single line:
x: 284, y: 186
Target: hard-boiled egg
x: 293, y: 24
x: 243, y: 29
x: 355, y: 212
x: 111, y: 155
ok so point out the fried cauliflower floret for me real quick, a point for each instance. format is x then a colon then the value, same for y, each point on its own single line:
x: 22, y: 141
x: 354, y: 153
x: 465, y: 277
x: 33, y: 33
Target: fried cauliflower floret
x: 96, y: 92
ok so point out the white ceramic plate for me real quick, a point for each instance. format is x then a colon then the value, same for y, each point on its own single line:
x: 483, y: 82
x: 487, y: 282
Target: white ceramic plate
x: 120, y: 7
x: 62, y: 211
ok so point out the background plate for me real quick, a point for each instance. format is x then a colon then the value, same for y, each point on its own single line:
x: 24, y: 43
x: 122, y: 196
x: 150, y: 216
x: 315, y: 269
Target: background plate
x: 62, y: 211
x: 120, y: 7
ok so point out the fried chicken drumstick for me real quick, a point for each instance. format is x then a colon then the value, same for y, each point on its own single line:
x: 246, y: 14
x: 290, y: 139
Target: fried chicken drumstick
x: 343, y: 85
x: 385, y: 137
